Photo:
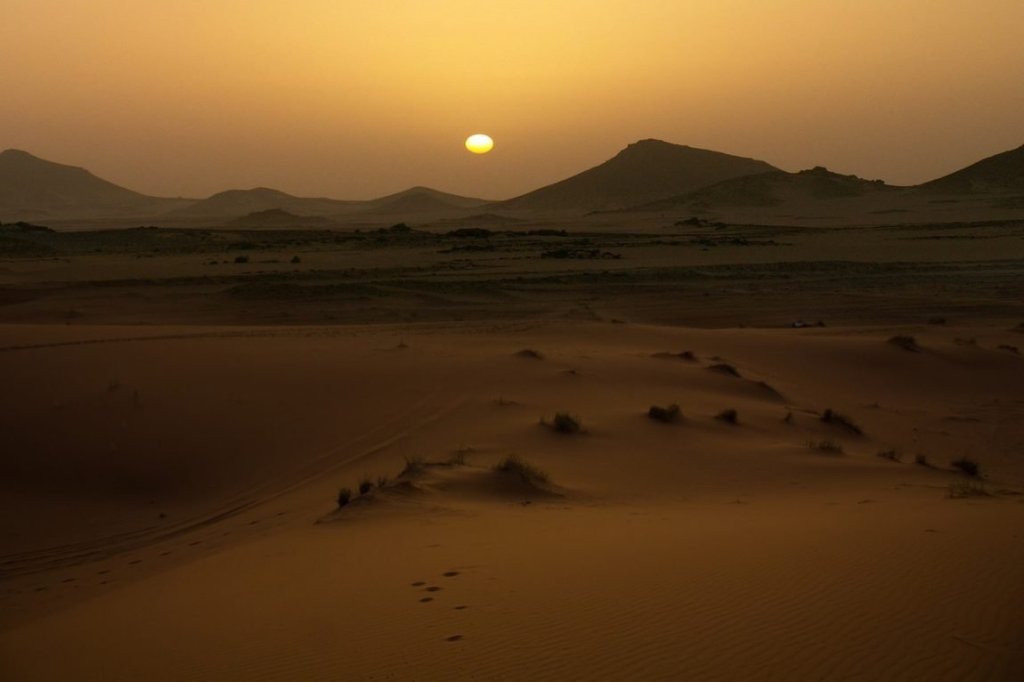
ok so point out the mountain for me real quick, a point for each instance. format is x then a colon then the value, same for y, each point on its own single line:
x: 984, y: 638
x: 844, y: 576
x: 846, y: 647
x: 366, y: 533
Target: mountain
x: 33, y: 188
x: 236, y: 203
x: 996, y: 174
x: 775, y: 188
x: 643, y: 172
x: 421, y: 200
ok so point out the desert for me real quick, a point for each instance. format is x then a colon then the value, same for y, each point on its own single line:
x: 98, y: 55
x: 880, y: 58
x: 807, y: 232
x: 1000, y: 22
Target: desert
x: 708, y: 365
x: 184, y: 406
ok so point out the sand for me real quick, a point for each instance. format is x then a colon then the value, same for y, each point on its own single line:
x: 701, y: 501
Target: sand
x: 169, y: 503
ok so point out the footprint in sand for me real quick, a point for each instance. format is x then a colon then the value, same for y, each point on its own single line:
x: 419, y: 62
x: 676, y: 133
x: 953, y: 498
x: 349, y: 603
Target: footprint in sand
x: 461, y: 607
x: 433, y: 588
x: 134, y: 561
x: 450, y: 574
x: 453, y: 638
x: 426, y: 599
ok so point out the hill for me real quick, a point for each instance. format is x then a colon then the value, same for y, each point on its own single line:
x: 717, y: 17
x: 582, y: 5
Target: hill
x: 996, y: 174
x: 643, y: 172
x: 420, y: 200
x: 236, y: 203
x: 776, y: 188
x: 277, y: 218
x: 33, y: 188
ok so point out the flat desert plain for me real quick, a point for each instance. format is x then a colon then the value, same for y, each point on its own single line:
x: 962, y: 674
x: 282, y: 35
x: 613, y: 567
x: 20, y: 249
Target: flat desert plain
x: 183, y: 411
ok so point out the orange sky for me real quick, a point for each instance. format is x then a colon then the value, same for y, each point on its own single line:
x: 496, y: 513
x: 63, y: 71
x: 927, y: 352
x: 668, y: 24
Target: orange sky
x: 357, y: 98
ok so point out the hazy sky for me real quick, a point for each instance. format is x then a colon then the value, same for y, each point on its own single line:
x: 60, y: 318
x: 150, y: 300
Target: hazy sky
x: 353, y: 98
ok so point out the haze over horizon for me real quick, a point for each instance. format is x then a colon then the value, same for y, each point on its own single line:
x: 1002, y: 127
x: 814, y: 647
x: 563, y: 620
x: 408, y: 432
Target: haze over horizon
x: 354, y: 100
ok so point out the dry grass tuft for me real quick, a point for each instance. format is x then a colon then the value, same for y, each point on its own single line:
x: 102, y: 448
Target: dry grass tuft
x: 725, y: 368
x: 890, y: 455
x: 729, y: 416
x: 344, y: 495
x: 827, y: 446
x: 665, y: 415
x: 908, y: 343
x: 563, y: 422
x: 967, y: 465
x: 834, y: 418
x: 964, y: 489
x: 521, y: 468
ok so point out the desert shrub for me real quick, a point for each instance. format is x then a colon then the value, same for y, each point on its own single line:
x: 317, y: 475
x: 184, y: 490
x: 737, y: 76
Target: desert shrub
x: 908, y: 343
x: 365, y: 486
x: 241, y: 259
x: 967, y: 465
x: 890, y: 455
x: 921, y: 460
x: 729, y: 416
x: 830, y: 416
x: 296, y: 259
x: 962, y: 489
x: 382, y: 481
x: 1008, y: 348
x: 725, y: 368
x: 564, y: 422
x: 521, y: 468
x: 665, y: 415
x: 530, y: 354
x: 788, y: 419
x: 829, y: 446
x: 344, y: 495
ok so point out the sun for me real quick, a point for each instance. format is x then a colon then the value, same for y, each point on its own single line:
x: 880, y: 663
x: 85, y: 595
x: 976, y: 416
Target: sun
x: 479, y: 143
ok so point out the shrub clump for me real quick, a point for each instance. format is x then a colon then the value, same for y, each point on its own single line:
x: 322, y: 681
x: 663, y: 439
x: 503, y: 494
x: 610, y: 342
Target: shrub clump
x: 967, y: 465
x: 563, y: 422
x: 908, y: 343
x: 530, y: 354
x: 365, y: 486
x: 921, y: 460
x: 521, y: 468
x: 344, y: 495
x: 725, y: 368
x: 666, y: 415
x: 962, y: 489
x: 827, y: 446
x: 890, y: 455
x: 729, y: 416
x: 829, y: 416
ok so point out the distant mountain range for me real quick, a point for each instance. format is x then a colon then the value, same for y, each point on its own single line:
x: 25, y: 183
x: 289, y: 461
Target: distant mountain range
x: 646, y: 175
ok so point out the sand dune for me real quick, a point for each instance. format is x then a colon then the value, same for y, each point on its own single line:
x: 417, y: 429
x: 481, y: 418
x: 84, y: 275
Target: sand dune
x: 212, y: 547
